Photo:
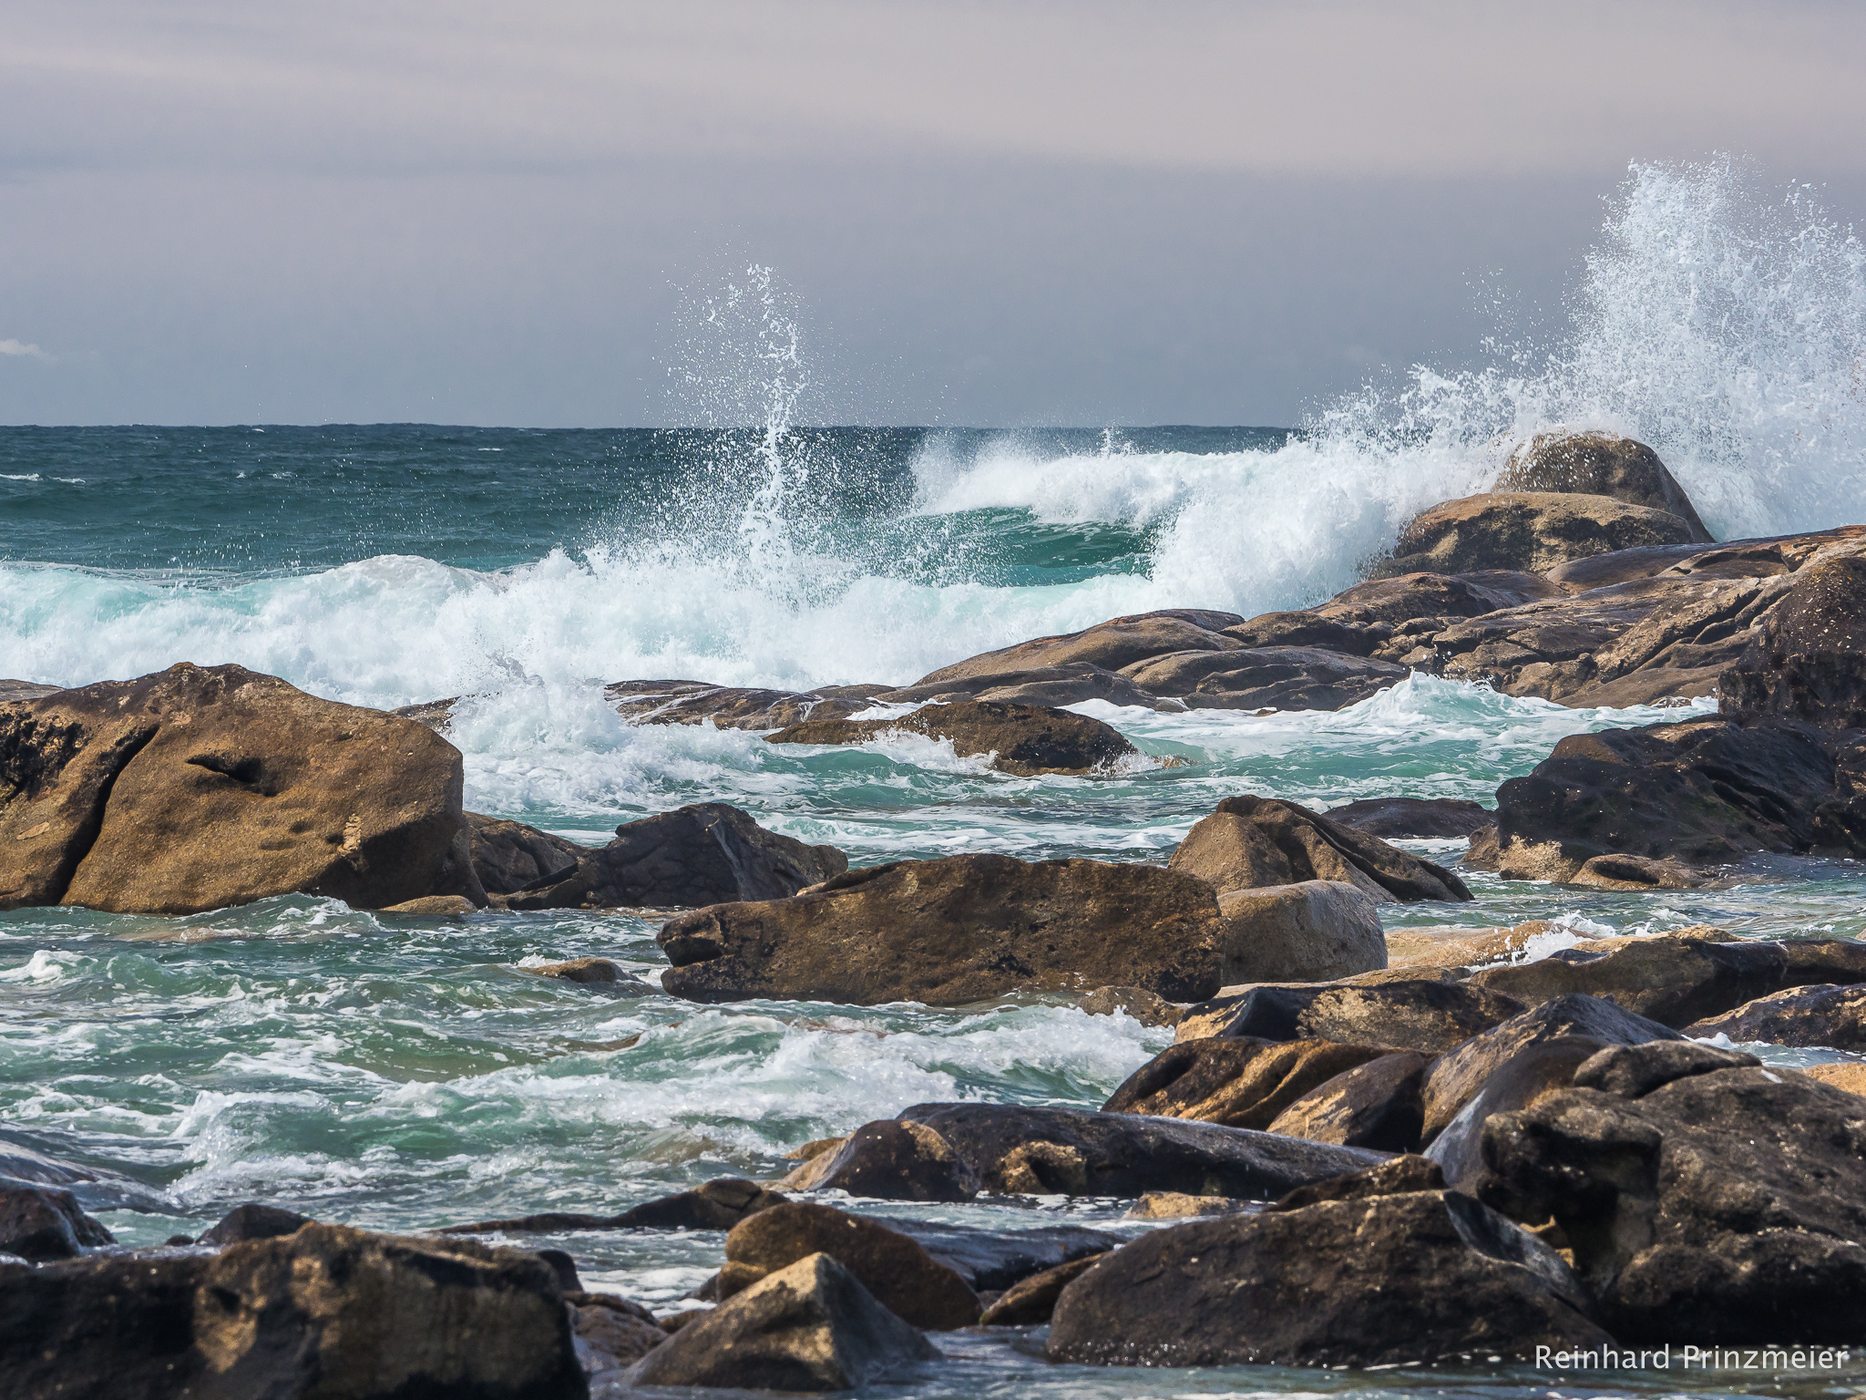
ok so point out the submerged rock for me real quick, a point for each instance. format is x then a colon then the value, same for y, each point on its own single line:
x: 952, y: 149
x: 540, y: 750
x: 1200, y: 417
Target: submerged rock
x: 705, y: 853
x: 1707, y: 1199
x: 1250, y: 842
x: 1419, y: 1276
x: 1238, y: 1082
x: 1534, y: 531
x: 202, y: 787
x: 1021, y: 739
x: 956, y: 930
x: 809, y: 1327
x: 600, y: 973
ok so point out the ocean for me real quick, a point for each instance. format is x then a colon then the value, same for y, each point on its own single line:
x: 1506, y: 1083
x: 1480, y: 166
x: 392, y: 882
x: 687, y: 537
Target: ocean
x: 398, y: 1073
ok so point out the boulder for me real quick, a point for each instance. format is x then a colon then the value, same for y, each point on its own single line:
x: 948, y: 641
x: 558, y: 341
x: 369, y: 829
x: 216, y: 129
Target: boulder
x: 1848, y: 1076
x: 1433, y: 818
x: 1118, y: 642
x: 1394, y: 1177
x: 1029, y: 1302
x: 1250, y: 842
x: 714, y: 1205
x: 1264, y: 678
x: 1824, y: 1014
x: 956, y: 930
x: 991, y: 1259
x: 510, y: 856
x: 253, y: 1221
x: 809, y: 1327
x: 1180, y: 1205
x: 889, y: 1160
x: 600, y: 973
x: 1148, y: 1008
x: 202, y: 787
x: 92, y: 1187
x: 1599, y: 464
x: 45, y: 1222
x: 328, y: 1311
x: 1533, y: 531
x: 1677, y: 981
x: 1403, y: 1013
x: 1706, y: 1199
x: 1702, y: 792
x: 1021, y: 1150
x: 1421, y: 1276
x: 1238, y: 1082
x: 1379, y: 1105
x: 612, y: 1334
x: 1808, y: 659
x: 1023, y: 739
x: 705, y: 853
x: 1308, y: 932
x: 892, y: 1266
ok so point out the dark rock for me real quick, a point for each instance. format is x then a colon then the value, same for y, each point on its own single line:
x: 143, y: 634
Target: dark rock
x: 103, y: 1326
x: 891, y: 1161
x: 612, y: 1334
x: 714, y: 1205
x: 892, y: 1266
x: 510, y: 856
x: 956, y: 930
x: 706, y: 853
x: 1394, y: 1177
x: 1308, y: 932
x: 1029, y: 1302
x: 1417, y: 1277
x: 1533, y: 531
x: 1022, y: 739
x: 1808, y: 660
x: 202, y: 787
x: 1600, y: 464
x: 92, y: 1187
x: 1528, y: 1076
x: 1061, y: 1151
x: 1676, y: 981
x: 1701, y: 792
x: 253, y: 1221
x: 1429, y: 817
x: 601, y: 973
x: 992, y: 1259
x: 45, y: 1222
x: 1250, y: 842
x: 1068, y: 684
x: 24, y: 690
x: 1265, y: 678
x: 1241, y: 1083
x: 1829, y: 1015
x: 1379, y: 1105
x: 1404, y: 1013
x: 1706, y: 1199
x: 810, y: 1327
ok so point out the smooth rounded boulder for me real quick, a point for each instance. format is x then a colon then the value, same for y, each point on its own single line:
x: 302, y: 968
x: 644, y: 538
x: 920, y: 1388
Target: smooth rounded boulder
x: 1314, y: 931
x: 951, y: 931
x: 1025, y: 740
x: 1600, y: 464
x: 201, y: 787
x: 1532, y: 531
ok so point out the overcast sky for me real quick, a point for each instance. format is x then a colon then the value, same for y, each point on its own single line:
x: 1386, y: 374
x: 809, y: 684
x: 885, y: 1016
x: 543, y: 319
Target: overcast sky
x: 1029, y: 211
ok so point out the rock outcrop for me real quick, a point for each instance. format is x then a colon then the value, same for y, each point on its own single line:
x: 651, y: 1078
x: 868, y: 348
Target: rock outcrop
x: 1599, y: 464
x: 1022, y: 739
x: 509, y: 856
x: 202, y: 787
x: 1402, y: 1013
x: 956, y: 930
x: 1379, y: 1105
x: 1808, y: 659
x: 1309, y: 932
x: 40, y: 1223
x: 1823, y: 1014
x: 1418, y: 1276
x: 1250, y: 842
x: 1706, y: 1199
x: 1439, y: 818
x: 706, y: 853
x: 1239, y: 1082
x: 1532, y: 531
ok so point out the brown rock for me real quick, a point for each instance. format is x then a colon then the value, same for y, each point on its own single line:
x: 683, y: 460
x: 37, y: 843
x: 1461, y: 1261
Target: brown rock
x: 202, y: 787
x: 1264, y: 678
x: 1808, y: 659
x: 601, y: 973
x: 1600, y: 464
x: 1849, y: 1076
x: 891, y: 1161
x: 1379, y: 1105
x: 1829, y: 1015
x: 1029, y: 1302
x: 1309, y: 932
x: 1529, y: 530
x: 510, y: 856
x: 1111, y: 645
x: 1181, y: 1205
x: 1403, y: 1013
x: 1022, y: 739
x: 727, y: 706
x: 1238, y: 1082
x: 1414, y: 817
x: 1394, y: 1177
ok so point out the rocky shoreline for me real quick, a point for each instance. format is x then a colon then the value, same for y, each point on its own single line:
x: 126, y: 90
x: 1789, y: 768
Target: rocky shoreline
x: 1369, y: 1150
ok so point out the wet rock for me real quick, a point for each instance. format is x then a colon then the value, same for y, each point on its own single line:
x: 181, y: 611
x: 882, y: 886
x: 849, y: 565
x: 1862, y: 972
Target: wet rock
x: 1439, y: 818
x: 714, y: 1205
x: 434, y: 906
x: 1379, y: 1105
x: 1523, y: 1080
x: 1029, y: 1302
x: 1600, y: 464
x: 1250, y: 842
x: 1533, y: 531
x: 1391, y: 618
x: 1059, y: 1151
x: 1148, y: 1008
x: 956, y: 930
x: 202, y: 787
x: 1834, y: 1016
x: 1394, y: 1177
x: 23, y: 690
x: 892, y: 1266
x: 1068, y: 684
x: 1420, y: 1014
x: 705, y: 853
x: 726, y: 706
x: 1700, y: 793
x: 1808, y: 660
x: 1310, y: 932
x: 253, y: 1221
x: 1706, y: 1198
x: 510, y: 856
x: 992, y: 1259
x: 1021, y: 739
x: 600, y: 973
x: 1415, y: 1277
x: 891, y: 1161
x: 1178, y: 1205
x: 45, y: 1222
x: 1118, y: 642
x: 611, y: 1335
x: 1677, y: 981
x: 329, y: 1311
x: 92, y: 1187
x: 1241, y: 1083
x: 1264, y: 678
x: 809, y: 1327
